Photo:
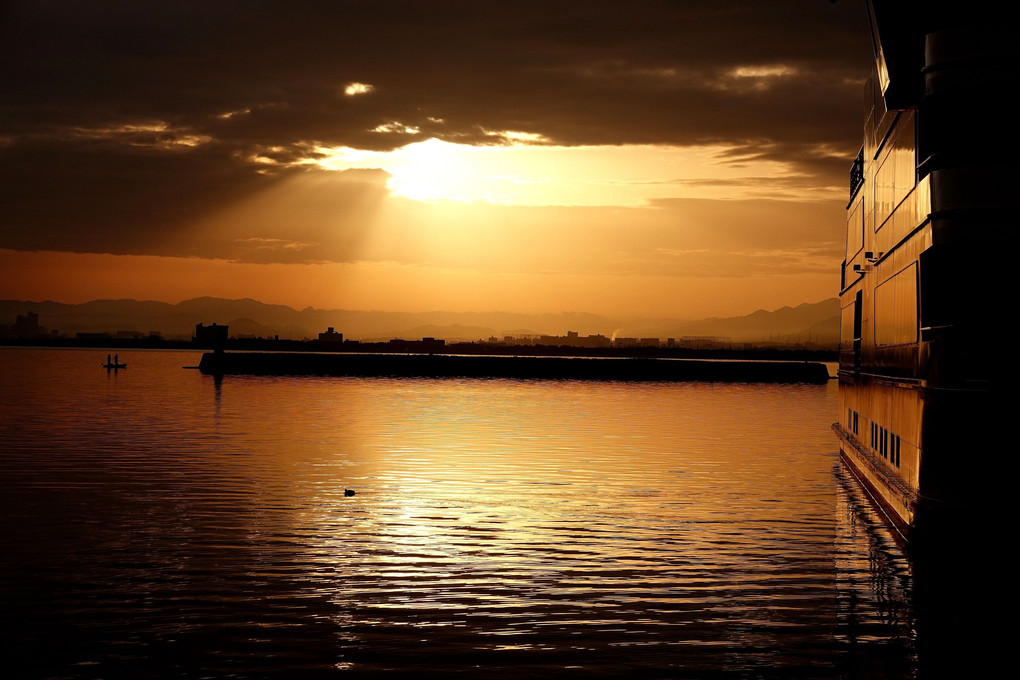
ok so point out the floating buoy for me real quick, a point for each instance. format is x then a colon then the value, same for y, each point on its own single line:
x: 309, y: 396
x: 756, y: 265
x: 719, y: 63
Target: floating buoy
x: 348, y: 492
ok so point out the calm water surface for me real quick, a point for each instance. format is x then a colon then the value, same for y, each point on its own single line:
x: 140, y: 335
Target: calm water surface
x: 157, y: 523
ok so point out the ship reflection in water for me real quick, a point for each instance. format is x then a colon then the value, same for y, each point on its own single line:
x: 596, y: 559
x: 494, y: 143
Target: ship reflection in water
x: 158, y: 523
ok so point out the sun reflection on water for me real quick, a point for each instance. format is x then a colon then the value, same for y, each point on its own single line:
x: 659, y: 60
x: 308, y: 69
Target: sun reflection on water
x: 510, y: 524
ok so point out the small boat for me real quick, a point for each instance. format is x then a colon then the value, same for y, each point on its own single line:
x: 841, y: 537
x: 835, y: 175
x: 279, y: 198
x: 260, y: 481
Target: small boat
x: 108, y: 366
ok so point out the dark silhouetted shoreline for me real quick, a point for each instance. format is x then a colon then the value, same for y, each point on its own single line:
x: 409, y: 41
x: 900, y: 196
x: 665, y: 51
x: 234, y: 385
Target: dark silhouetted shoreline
x: 637, y: 369
x: 750, y: 353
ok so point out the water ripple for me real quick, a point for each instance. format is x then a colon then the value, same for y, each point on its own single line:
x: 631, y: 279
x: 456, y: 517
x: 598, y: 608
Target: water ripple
x: 163, y: 524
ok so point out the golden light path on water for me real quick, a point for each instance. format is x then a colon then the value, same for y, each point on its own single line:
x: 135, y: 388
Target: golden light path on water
x: 157, y: 518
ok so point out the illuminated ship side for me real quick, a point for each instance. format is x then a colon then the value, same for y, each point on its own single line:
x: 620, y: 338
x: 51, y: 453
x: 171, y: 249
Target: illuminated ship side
x: 933, y: 200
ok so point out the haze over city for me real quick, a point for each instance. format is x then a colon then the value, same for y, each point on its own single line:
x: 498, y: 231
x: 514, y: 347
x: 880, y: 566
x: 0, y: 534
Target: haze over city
x: 670, y: 160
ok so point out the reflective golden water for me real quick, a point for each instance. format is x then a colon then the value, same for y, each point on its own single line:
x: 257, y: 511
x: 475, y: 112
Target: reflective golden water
x: 158, y: 523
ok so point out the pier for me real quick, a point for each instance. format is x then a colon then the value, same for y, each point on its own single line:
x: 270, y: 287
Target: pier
x: 638, y: 369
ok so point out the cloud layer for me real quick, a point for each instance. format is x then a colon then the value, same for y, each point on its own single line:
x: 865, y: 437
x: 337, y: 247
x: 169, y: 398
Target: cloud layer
x: 137, y: 127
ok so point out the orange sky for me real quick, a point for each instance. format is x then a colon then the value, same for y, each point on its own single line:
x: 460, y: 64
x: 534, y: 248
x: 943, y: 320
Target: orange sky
x: 676, y: 162
x: 390, y: 286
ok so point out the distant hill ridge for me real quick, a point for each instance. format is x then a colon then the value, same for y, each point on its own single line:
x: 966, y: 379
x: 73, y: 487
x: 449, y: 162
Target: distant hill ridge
x: 816, y: 322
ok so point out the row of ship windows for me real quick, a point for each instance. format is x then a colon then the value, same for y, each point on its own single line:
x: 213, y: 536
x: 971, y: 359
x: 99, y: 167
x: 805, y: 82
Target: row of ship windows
x: 883, y: 442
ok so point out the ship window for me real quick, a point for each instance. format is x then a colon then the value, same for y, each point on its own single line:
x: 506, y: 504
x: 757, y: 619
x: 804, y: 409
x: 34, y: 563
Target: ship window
x: 897, y: 176
x: 896, y: 308
x: 855, y: 422
x: 855, y: 230
x: 846, y: 327
x: 896, y: 450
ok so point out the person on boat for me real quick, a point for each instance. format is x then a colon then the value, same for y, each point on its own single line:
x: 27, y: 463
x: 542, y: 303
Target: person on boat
x: 107, y: 359
x: 116, y: 359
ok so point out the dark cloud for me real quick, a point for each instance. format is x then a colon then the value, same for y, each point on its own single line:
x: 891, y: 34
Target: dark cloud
x: 121, y: 122
x: 181, y: 203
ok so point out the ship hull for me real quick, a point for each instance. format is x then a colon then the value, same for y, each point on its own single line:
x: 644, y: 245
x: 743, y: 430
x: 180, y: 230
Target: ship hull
x: 930, y: 238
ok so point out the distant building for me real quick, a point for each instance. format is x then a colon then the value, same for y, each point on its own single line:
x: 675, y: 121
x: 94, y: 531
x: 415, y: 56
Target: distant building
x: 571, y: 339
x: 704, y: 342
x: 330, y: 335
x: 597, y: 341
x: 210, y: 336
x: 27, y: 326
x: 433, y: 344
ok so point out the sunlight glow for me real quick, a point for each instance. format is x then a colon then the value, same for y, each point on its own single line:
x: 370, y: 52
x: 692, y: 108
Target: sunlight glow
x: 396, y: 127
x: 755, y: 78
x: 227, y: 115
x: 153, y: 134
x: 521, y: 173
x: 516, y: 136
x: 354, y: 89
x: 762, y: 71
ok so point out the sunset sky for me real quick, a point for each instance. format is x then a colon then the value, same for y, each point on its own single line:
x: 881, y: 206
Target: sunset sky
x: 669, y: 159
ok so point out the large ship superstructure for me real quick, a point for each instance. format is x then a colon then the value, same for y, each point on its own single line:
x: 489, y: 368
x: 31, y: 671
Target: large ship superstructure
x: 933, y: 200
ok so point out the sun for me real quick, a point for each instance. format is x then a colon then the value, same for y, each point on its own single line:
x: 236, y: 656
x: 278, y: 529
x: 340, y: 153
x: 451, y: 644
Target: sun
x: 436, y: 170
x: 430, y: 170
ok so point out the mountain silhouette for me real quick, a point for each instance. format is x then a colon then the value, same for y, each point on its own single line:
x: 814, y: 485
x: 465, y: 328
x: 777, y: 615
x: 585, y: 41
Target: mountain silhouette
x: 817, y: 322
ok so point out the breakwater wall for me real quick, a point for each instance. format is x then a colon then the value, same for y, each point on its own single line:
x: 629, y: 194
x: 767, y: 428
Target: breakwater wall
x: 527, y: 367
